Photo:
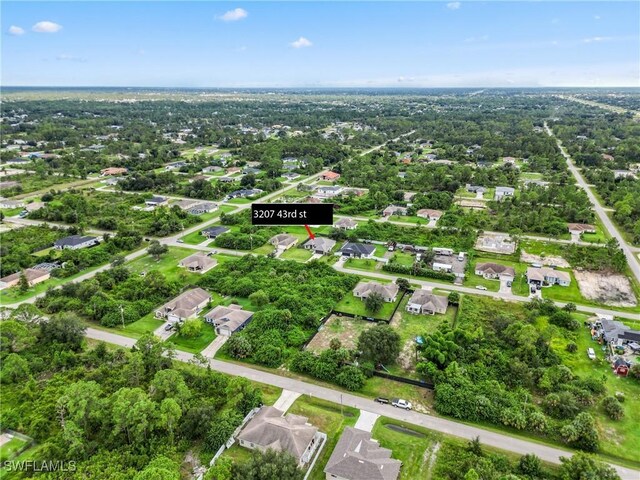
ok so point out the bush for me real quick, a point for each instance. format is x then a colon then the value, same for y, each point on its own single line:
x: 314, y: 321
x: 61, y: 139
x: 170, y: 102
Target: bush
x: 572, y: 347
x: 190, y: 328
x: 239, y: 346
x: 351, y: 378
x: 418, y: 271
x: 613, y: 408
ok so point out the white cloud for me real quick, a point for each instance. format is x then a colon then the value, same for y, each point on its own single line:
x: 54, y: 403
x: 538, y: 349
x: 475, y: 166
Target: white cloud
x: 63, y: 57
x: 141, y: 51
x: 301, y: 43
x: 15, y: 30
x: 597, y: 17
x: 597, y: 39
x: 46, y: 27
x: 241, y: 48
x: 234, y: 15
x: 454, y: 5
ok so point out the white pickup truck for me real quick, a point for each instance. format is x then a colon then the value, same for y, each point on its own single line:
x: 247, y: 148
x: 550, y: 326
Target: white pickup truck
x: 400, y: 403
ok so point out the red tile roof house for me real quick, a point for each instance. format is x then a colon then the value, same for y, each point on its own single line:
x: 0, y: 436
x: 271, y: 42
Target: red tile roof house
x: 113, y: 171
x: 33, y: 276
x: 579, y: 228
x: 329, y: 176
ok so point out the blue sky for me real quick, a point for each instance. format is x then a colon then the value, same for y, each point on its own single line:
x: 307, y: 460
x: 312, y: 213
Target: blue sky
x: 331, y: 44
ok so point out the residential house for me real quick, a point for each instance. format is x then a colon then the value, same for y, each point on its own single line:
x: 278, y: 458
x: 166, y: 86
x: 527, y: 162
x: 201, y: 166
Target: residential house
x: 6, y: 203
x: 283, y: 241
x: 199, y: 262
x: 251, y: 170
x: 156, y: 201
x: 548, y: 276
x: 429, y: 214
x: 475, y: 188
x: 328, y: 192
x: 320, y: 245
x: 423, y: 302
x: 509, y: 160
x: 186, y: 305
x: 580, y: 228
x: 33, y: 206
x: 290, y: 176
x: 211, y: 169
x: 617, y: 333
x: 493, y: 271
x: 607, y: 158
x: 394, y: 210
x: 213, y: 232
x: 357, y: 456
x: 502, y: 192
x: 357, y: 250
x: 270, y: 429
x: 228, y: 320
x: 623, y: 174
x: 346, y: 224
x: 105, y: 172
x: 32, y: 275
x: 75, y: 242
x: 232, y: 170
x: 204, y: 207
x: 329, y: 176
x: 244, y: 192
x: 388, y: 291
x: 408, y: 196
x: 621, y: 367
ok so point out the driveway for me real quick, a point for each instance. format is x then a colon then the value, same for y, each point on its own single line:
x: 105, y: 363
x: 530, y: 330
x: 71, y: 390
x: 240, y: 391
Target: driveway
x: 315, y: 256
x: 504, y: 286
x: 366, y: 420
x: 211, y: 349
x: 286, y: 399
x: 163, y: 334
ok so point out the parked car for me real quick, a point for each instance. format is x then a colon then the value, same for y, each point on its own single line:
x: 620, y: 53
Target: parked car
x: 400, y: 403
x: 180, y: 240
x: 168, y: 327
x: 533, y: 289
x: 480, y: 287
x: 383, y: 400
x: 591, y: 353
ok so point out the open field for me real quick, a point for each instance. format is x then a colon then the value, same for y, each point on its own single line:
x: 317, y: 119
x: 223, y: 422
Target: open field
x: 345, y: 329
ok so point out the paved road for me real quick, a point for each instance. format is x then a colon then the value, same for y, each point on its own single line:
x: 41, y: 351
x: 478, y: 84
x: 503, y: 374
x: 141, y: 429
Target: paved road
x: 602, y: 214
x: 605, y: 106
x: 450, y: 427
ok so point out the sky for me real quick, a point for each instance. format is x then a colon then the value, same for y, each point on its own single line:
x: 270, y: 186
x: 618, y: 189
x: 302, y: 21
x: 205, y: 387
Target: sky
x: 320, y: 44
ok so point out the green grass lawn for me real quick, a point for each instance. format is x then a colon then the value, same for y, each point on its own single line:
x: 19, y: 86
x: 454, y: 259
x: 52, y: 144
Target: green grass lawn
x: 330, y: 419
x: 240, y: 201
x: 411, y: 325
x: 412, y: 219
x: 402, y: 258
x: 355, y: 306
x: 519, y: 286
x: 409, y: 449
x: 380, y: 250
x: 11, y: 448
x: 361, y: 264
x: 265, y: 249
x: 194, y: 238
x: 297, y: 254
x: 196, y: 344
x: 167, y: 265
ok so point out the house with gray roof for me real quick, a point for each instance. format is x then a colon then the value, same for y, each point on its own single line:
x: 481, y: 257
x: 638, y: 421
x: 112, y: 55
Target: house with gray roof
x: 388, y: 292
x: 270, y: 429
x: 283, y: 241
x: 213, y: 232
x: 320, y: 245
x: 186, y: 305
x: 346, y: 224
x: 357, y: 456
x: 228, y: 320
x: 357, y: 250
x: 426, y: 303
x: 502, y: 192
x: 75, y: 242
x: 548, y: 276
x: 618, y: 333
x: 495, y: 270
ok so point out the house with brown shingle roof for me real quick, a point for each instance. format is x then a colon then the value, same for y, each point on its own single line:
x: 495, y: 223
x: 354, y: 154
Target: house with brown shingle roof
x: 270, y: 429
x: 346, y: 224
x: 429, y: 214
x: 363, y: 289
x: 549, y: 276
x: 228, y: 320
x: 357, y: 456
x: 32, y: 275
x: 105, y: 172
x: 329, y: 176
x: 580, y: 228
x: 426, y: 303
x: 186, y: 305
x: 199, y: 262
x: 283, y: 241
x: 495, y: 270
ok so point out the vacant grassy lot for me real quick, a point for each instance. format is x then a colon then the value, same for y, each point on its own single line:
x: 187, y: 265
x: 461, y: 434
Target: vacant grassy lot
x: 11, y: 448
x: 330, y: 419
x: 297, y: 254
x: 408, y: 443
x: 167, y: 265
x: 345, y: 329
x: 196, y: 344
x: 355, y: 306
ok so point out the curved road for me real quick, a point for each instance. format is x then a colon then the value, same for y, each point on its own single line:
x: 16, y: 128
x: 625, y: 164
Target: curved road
x: 450, y: 427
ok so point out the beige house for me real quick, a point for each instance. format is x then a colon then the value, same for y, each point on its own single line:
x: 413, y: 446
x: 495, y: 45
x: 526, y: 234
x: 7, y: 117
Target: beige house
x: 388, y: 292
x: 429, y: 214
x: 270, y: 429
x: 549, y: 276
x: 33, y: 276
x: 426, y: 303
x: 580, y: 228
x: 320, y: 245
x: 283, y: 241
x: 199, y: 262
x: 346, y: 224
x: 357, y: 456
x: 495, y: 270
x: 186, y: 305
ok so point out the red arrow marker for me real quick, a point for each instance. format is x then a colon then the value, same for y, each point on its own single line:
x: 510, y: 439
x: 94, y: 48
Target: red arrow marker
x: 311, y: 235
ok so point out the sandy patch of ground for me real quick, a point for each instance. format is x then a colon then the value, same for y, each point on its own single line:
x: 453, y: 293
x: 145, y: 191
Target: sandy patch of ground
x: 346, y: 329
x: 4, y: 438
x: 608, y: 288
x: 546, y: 260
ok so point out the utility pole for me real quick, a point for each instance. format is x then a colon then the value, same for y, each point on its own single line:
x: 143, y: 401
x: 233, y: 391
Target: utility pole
x: 341, y: 411
x: 122, y: 315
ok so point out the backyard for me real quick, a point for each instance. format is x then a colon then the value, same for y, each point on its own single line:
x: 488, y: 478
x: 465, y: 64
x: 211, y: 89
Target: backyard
x: 356, y: 306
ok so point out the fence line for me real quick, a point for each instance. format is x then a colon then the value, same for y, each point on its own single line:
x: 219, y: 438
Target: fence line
x: 410, y: 381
